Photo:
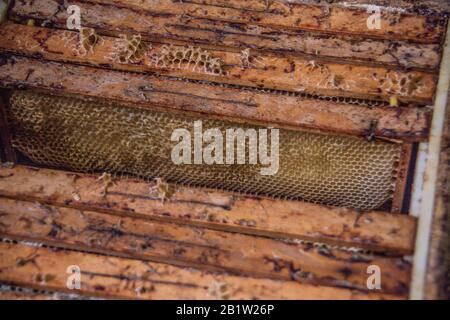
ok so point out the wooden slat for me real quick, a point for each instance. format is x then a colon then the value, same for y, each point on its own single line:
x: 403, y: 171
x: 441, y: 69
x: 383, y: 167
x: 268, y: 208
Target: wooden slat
x: 255, y: 5
x: 321, y: 47
x: 221, y: 33
x: 402, y: 178
x: 114, y: 277
x: 281, y: 15
x: 285, y: 14
x: 300, y: 43
x: 290, y: 74
x: 415, y: 6
x: 216, y: 210
x: 231, y: 103
x: 438, y: 266
x: 206, y: 249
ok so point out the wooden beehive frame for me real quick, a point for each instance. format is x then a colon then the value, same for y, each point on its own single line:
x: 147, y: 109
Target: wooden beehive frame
x: 42, y: 59
x: 310, y: 115
x: 403, y: 169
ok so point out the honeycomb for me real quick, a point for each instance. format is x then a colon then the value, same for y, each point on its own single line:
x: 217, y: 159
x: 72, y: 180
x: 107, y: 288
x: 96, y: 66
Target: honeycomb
x: 90, y: 136
x: 195, y: 59
x: 129, y: 49
x: 82, y: 43
x: 88, y: 39
x: 405, y: 84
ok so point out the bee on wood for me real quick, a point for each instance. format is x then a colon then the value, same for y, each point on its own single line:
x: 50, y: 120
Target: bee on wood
x: 161, y: 189
x: 107, y: 181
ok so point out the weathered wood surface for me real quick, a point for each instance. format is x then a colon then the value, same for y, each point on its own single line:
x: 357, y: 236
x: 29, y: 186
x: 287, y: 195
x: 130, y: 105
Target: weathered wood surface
x: 215, y: 210
x: 114, y: 277
x: 322, y: 47
x: 401, y: 184
x: 438, y: 268
x: 271, y: 72
x: 205, y: 249
x: 279, y: 15
x: 241, y: 36
x: 288, y: 112
x: 412, y: 6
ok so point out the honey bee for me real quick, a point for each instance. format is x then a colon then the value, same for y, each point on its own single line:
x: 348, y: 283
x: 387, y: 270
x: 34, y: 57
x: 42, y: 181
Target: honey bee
x: 107, y: 181
x: 161, y: 189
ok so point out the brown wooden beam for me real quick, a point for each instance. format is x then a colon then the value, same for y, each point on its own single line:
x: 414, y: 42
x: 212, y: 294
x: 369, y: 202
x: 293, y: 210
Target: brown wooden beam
x: 392, y: 234
x: 401, y: 181
x: 262, y: 71
x: 112, y: 277
x: 288, y: 112
x: 317, y: 46
x: 238, y: 37
x: 278, y: 14
x: 431, y: 7
x: 208, y: 250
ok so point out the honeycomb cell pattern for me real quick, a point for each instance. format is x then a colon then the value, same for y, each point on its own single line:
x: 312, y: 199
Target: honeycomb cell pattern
x: 195, y: 59
x: 129, y: 49
x: 91, y: 136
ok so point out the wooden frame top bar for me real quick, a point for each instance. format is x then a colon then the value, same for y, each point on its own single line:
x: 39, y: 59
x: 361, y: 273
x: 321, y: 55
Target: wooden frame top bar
x: 330, y: 19
x: 380, y: 231
x: 265, y: 72
x: 123, y: 278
